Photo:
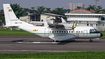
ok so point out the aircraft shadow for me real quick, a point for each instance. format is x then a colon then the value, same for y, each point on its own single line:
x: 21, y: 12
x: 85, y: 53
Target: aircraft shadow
x: 60, y: 43
x: 76, y: 41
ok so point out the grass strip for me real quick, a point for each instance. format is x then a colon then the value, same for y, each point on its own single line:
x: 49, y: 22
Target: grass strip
x: 103, y: 34
x: 15, y: 32
x: 60, y: 55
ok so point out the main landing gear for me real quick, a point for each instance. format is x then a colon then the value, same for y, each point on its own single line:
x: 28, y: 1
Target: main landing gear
x: 90, y: 40
x: 56, y: 41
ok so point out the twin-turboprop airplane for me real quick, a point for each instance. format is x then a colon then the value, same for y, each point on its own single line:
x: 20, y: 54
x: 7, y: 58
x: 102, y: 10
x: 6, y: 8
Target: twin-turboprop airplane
x: 57, y: 31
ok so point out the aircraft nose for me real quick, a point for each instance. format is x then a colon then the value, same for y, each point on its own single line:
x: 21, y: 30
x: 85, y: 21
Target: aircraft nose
x: 101, y: 35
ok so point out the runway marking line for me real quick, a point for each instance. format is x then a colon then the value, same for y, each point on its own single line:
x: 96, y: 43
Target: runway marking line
x: 38, y: 51
x: 37, y: 42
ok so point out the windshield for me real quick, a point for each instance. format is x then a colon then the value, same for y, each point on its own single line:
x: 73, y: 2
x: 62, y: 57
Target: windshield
x: 93, y: 30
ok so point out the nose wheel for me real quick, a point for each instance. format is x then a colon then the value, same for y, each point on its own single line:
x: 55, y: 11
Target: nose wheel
x: 90, y: 40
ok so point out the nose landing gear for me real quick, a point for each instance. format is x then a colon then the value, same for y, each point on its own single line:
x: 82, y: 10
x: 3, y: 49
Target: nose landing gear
x: 91, y: 40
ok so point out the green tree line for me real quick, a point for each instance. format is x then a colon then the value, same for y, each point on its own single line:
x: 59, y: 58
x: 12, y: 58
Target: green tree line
x: 20, y: 11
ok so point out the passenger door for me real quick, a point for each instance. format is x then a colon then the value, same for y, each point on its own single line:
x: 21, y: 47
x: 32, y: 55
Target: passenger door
x: 77, y: 33
x: 85, y: 33
x: 46, y: 32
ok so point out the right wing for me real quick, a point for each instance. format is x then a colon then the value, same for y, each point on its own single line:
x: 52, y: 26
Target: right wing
x: 52, y: 24
x: 61, y: 24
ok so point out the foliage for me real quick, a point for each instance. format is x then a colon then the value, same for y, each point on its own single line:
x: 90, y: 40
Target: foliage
x: 90, y: 7
x: 1, y: 11
x: 19, y: 11
x: 103, y: 34
x: 40, y: 9
x: 57, y: 55
x: 97, y: 9
x: 78, y: 8
x: 15, y: 32
x: 1, y: 19
x: 47, y: 10
x: 103, y: 11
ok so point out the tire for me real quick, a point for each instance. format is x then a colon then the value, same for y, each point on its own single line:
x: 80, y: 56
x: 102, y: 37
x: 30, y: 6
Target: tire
x: 90, y: 40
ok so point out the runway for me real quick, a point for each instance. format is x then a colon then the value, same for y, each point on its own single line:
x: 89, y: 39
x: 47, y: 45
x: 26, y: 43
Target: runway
x: 10, y: 44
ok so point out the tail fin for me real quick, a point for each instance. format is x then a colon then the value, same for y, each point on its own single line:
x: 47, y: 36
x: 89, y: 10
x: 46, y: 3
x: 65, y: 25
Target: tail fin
x: 9, y: 14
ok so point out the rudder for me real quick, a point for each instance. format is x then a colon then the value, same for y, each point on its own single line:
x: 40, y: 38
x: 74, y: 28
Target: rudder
x: 9, y: 14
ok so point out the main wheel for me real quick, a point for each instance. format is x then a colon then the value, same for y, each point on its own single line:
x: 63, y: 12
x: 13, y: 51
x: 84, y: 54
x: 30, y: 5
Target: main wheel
x: 55, y: 41
x: 90, y: 40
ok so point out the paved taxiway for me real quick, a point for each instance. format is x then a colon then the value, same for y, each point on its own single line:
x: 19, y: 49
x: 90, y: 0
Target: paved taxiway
x: 10, y: 44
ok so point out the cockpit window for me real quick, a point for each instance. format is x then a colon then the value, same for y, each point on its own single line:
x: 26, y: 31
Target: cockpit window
x: 93, y: 30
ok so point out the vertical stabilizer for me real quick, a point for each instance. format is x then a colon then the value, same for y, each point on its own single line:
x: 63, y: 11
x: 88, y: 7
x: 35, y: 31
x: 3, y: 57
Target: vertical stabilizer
x: 9, y: 14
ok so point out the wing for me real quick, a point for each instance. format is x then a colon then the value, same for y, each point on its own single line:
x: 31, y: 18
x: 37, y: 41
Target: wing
x: 62, y: 37
x: 61, y: 23
x: 53, y: 24
x: 64, y: 25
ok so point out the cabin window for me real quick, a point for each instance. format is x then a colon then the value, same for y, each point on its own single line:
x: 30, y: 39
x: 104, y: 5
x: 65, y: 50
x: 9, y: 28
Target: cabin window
x: 81, y: 31
x: 72, y: 31
x: 69, y: 31
x: 62, y: 31
x: 52, y: 31
x: 78, y: 31
x: 87, y: 24
x: 57, y: 31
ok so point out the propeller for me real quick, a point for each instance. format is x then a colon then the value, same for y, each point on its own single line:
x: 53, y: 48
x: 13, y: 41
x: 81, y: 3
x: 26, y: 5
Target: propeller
x: 74, y: 25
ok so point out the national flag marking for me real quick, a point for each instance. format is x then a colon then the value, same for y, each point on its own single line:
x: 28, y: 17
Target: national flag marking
x: 35, y: 30
x: 10, y: 10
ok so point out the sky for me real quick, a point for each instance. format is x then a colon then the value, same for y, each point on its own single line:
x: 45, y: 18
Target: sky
x: 51, y: 3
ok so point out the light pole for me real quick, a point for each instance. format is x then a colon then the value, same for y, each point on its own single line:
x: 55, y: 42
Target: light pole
x: 96, y: 2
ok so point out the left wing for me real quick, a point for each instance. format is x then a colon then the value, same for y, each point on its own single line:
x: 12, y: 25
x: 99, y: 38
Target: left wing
x: 62, y: 37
